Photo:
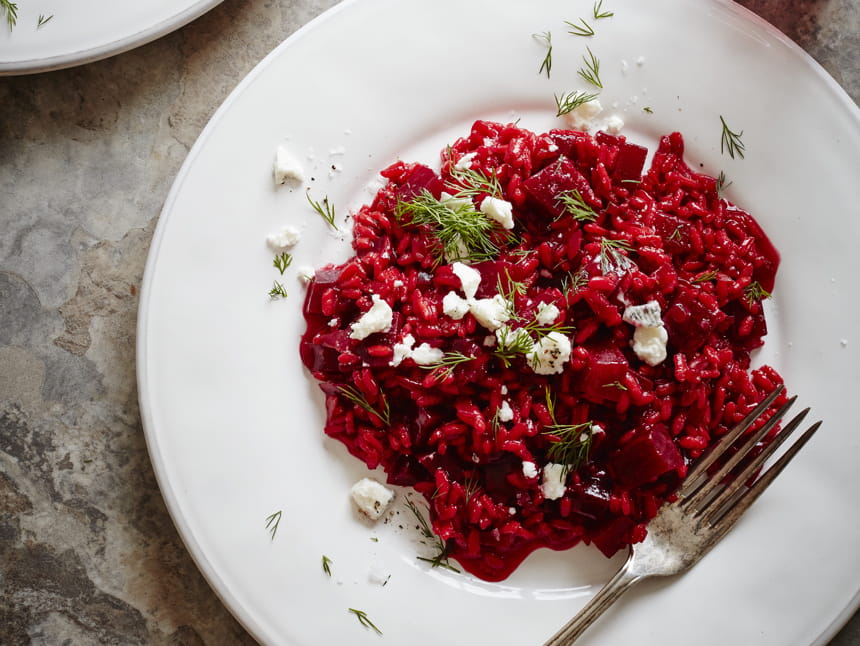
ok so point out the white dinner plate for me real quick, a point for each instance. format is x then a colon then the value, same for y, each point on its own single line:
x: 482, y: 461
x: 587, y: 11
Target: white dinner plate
x: 234, y: 423
x: 52, y: 34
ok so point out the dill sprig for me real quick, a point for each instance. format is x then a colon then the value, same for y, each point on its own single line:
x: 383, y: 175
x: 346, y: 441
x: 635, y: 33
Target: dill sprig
x: 616, y: 384
x: 755, y: 292
x: 648, y: 109
x: 509, y: 289
x: 324, y: 208
x: 582, y: 29
x: 722, y: 184
x: 573, y: 441
x: 574, y: 281
x: 441, y: 557
x: 282, y: 261
x: 11, y: 10
x: 272, y: 523
x: 511, y: 344
x: 326, y: 564
x: 43, y: 20
x: 278, y: 291
x: 611, y: 259
x: 464, y: 233
x: 599, y: 13
x: 576, y: 206
x: 542, y: 330
x: 470, y: 182
x: 358, y: 398
x: 569, y: 102
x: 546, y: 64
x: 364, y: 620
x: 591, y: 70
x: 705, y: 276
x: 444, y: 368
x: 730, y: 141
x: 472, y: 484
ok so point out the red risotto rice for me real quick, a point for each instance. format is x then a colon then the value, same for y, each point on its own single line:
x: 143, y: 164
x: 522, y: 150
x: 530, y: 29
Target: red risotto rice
x: 540, y: 338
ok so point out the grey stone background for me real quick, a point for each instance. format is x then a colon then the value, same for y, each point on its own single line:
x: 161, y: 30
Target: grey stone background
x: 88, y: 553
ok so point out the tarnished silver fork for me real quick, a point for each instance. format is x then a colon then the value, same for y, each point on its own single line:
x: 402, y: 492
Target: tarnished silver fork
x: 708, y: 505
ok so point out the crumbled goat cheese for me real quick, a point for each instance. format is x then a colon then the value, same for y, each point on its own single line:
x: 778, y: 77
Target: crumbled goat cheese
x: 506, y: 336
x: 461, y: 252
x: 649, y: 337
x: 377, y: 319
x: 529, y: 470
x: 455, y: 203
x: 503, y: 389
x: 425, y: 355
x: 649, y: 344
x: 506, y: 413
x: 454, y: 305
x: 585, y: 117
x: 306, y: 274
x: 402, y: 350
x: 549, y: 354
x: 581, y: 117
x: 282, y: 240
x: 647, y: 315
x: 371, y: 497
x: 465, y: 162
x: 547, y: 313
x: 553, y: 484
x: 501, y: 211
x: 613, y: 124
x: 286, y: 168
x: 470, y: 279
x: 376, y: 575
x: 490, y: 312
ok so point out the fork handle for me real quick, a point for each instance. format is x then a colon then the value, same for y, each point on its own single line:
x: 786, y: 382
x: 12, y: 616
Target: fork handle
x: 598, y: 604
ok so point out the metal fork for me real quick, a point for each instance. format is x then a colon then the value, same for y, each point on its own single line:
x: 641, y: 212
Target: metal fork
x: 707, y: 506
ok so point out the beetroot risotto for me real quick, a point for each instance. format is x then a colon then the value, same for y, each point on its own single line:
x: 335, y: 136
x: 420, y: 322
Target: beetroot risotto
x: 540, y: 338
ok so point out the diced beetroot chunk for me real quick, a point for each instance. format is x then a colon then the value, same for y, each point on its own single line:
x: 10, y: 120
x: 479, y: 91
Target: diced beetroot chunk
x: 629, y: 162
x: 607, y: 367
x: 605, y: 139
x: 318, y: 358
x: 593, y: 499
x: 323, y: 279
x: 558, y: 178
x: 690, y: 323
x: 646, y: 457
x: 422, y: 177
x: 613, y: 536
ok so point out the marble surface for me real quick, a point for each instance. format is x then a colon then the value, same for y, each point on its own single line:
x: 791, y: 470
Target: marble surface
x: 88, y: 553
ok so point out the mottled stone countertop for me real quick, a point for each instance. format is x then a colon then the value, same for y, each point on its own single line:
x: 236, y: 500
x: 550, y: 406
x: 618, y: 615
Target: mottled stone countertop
x: 88, y: 553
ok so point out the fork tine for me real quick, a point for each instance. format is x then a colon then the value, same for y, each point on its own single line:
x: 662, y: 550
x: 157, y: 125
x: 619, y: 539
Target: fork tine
x: 706, y: 461
x: 729, y: 518
x: 713, y: 507
x: 716, y: 479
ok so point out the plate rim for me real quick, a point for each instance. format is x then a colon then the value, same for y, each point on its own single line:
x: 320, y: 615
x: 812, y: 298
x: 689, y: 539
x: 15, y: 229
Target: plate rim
x: 237, y: 609
x: 110, y: 48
